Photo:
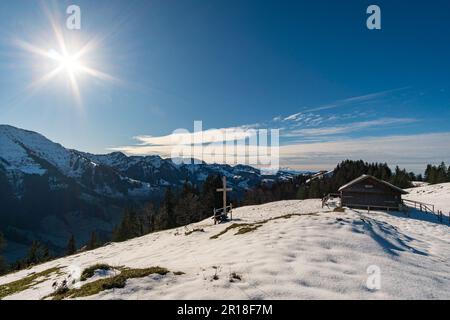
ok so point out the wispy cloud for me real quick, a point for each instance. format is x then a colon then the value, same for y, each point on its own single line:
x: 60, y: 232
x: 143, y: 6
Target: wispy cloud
x: 349, y: 127
x: 409, y: 151
x: 184, y: 137
x: 342, y: 103
x: 412, y: 152
x: 312, y: 139
x: 164, y: 145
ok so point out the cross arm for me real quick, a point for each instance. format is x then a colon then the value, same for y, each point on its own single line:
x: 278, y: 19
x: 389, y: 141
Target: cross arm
x: 227, y: 189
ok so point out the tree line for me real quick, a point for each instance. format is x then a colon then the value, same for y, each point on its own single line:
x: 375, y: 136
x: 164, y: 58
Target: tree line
x: 306, y: 187
x: 177, y: 208
x: 437, y: 174
x: 39, y: 252
x: 190, y: 204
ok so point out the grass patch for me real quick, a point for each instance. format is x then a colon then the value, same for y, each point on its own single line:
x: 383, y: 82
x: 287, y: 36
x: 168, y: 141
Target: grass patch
x: 89, y: 272
x: 115, y: 282
x: 249, y: 227
x: 179, y: 273
x: 233, y: 226
x: 339, y: 209
x: 25, y: 283
x: 192, y: 231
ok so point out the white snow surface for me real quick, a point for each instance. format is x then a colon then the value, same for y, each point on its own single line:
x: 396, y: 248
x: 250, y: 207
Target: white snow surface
x: 419, y: 183
x: 437, y: 194
x: 318, y: 254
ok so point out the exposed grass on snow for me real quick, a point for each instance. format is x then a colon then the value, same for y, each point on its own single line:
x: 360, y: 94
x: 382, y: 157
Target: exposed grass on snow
x: 25, y: 283
x: 115, y: 282
x: 233, y: 226
x: 249, y: 227
x: 89, y: 272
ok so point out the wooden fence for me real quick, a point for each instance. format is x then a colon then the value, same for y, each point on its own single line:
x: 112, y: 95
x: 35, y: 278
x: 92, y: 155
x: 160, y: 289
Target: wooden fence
x: 423, y: 207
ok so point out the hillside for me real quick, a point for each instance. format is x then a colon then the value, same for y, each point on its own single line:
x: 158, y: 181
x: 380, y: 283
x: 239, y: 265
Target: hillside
x: 49, y: 192
x: 438, y: 194
x: 286, y: 250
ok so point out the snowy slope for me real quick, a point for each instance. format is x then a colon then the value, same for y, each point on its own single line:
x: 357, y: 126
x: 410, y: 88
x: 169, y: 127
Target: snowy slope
x: 438, y: 194
x: 18, y: 147
x: 314, y: 254
x: 13, y: 150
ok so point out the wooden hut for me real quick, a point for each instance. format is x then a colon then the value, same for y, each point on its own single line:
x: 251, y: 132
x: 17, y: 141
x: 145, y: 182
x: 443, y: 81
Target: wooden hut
x: 370, y: 192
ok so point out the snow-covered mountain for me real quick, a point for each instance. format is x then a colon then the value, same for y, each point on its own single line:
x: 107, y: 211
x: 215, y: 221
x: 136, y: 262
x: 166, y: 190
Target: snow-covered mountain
x: 282, y: 250
x: 48, y: 192
x: 28, y: 153
x: 25, y: 153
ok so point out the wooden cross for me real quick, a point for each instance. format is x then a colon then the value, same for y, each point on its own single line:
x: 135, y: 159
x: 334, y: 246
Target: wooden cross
x: 224, y: 189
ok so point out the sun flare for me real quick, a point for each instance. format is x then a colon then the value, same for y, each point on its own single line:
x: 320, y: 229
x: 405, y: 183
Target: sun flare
x: 71, y: 63
x: 65, y: 59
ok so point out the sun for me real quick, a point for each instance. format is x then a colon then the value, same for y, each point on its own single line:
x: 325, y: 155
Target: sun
x: 71, y: 64
x: 69, y: 60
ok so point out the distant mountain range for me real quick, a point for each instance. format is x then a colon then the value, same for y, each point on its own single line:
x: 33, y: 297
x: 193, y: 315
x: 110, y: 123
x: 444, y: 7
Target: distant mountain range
x: 48, y: 192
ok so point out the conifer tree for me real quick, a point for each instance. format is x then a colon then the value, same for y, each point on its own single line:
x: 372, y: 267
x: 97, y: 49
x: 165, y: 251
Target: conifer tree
x: 187, y: 208
x: 314, y: 190
x: 437, y: 174
x: 37, y: 253
x: 147, y: 218
x: 209, y: 197
x: 442, y: 173
x: 3, y: 265
x: 168, y: 208
x: 302, y: 193
x: 129, y: 227
x: 93, y: 242
x: 71, y: 246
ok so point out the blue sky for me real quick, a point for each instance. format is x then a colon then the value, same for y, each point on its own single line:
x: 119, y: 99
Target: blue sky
x: 312, y: 69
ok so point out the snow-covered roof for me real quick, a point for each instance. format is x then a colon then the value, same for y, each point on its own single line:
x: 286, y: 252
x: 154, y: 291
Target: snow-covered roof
x: 366, y: 176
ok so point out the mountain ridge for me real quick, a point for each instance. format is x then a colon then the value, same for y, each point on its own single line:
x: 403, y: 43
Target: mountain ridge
x: 42, y: 183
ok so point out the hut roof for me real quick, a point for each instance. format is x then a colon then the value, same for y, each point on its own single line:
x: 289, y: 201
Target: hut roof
x: 366, y: 176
